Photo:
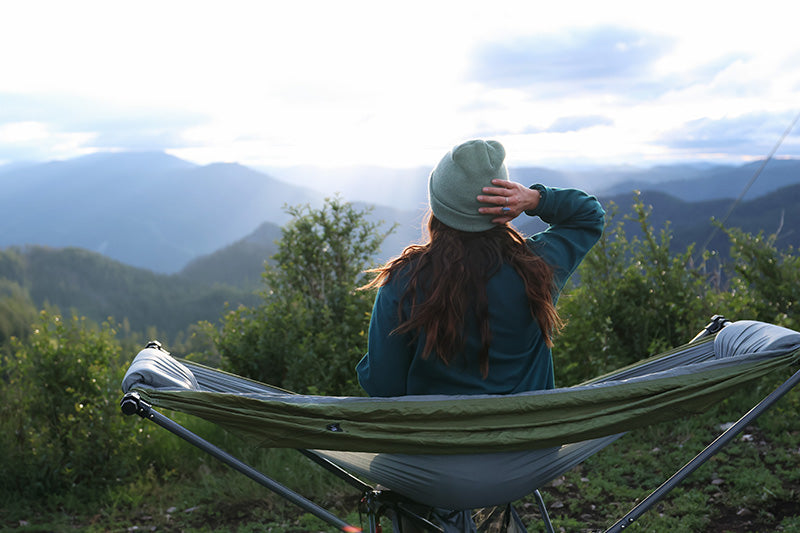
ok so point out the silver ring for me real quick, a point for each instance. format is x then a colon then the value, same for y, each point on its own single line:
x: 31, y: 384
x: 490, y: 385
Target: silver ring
x: 506, y: 200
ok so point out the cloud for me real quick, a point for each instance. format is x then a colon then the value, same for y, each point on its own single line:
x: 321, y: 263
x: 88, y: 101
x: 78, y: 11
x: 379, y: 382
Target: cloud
x: 791, y: 62
x: 592, y: 59
x: 577, y: 123
x: 705, y: 72
x: 53, y: 122
x: 33, y: 141
x: 749, y: 135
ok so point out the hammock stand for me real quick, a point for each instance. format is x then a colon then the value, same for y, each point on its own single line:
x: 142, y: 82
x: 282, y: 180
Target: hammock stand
x: 377, y: 502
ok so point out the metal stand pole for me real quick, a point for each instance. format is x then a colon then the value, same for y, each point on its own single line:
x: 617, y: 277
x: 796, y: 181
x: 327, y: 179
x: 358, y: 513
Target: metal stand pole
x: 133, y: 404
x: 545, y: 517
x: 706, y: 454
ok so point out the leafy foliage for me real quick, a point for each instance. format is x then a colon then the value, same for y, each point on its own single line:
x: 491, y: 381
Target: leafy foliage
x: 310, y: 330
x: 634, y: 298
x: 17, y: 312
x: 765, y: 284
x: 61, y: 424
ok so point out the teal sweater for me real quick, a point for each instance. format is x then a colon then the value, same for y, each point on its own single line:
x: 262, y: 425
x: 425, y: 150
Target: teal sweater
x: 519, y: 359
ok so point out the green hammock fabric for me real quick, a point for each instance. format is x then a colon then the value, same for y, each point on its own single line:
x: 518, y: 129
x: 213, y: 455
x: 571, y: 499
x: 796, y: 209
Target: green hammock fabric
x: 468, y: 424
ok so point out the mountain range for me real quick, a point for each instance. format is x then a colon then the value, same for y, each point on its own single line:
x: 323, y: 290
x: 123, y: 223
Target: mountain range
x: 149, y: 210
x: 158, y: 212
x: 158, y: 241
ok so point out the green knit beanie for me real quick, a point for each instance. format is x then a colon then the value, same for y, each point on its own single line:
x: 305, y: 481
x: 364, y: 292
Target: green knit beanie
x: 459, y: 178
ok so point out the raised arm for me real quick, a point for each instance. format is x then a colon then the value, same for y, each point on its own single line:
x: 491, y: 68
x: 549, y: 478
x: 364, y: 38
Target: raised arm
x: 576, y: 220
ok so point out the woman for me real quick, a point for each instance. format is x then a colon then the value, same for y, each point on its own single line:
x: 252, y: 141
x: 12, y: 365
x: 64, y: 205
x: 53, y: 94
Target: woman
x: 472, y: 311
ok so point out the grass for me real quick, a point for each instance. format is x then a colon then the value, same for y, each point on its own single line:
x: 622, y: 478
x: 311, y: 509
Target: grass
x: 753, y: 485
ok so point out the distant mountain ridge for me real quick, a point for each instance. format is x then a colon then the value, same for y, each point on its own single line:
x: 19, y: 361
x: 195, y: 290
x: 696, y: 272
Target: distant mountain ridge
x: 694, y: 184
x: 690, y: 222
x: 97, y: 287
x: 162, y: 242
x: 149, y: 210
x: 155, y: 211
x: 407, y: 188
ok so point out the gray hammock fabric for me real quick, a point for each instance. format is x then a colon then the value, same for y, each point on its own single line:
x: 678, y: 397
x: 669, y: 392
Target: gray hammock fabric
x: 461, y: 452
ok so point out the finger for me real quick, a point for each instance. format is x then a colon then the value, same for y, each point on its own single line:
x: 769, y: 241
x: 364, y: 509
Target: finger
x: 497, y: 210
x: 504, y: 184
x: 491, y: 198
x: 504, y: 212
x: 496, y: 191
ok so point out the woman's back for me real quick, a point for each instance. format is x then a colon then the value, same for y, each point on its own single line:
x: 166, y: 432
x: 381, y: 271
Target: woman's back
x: 501, y: 308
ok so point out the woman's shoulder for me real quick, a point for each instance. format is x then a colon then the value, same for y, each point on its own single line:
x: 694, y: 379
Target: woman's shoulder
x: 407, y: 262
x: 403, y: 269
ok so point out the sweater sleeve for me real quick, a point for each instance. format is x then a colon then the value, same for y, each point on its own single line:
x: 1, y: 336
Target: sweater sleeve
x: 383, y: 371
x: 576, y: 222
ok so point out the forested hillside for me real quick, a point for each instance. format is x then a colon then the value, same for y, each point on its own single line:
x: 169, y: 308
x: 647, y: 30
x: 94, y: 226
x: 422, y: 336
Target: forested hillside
x: 690, y: 222
x: 240, y: 264
x: 97, y: 287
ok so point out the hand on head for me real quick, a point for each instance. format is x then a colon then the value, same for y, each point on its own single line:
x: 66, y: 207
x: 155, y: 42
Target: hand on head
x: 507, y: 200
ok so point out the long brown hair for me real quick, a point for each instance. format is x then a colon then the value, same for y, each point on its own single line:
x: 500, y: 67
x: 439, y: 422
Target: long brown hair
x: 451, y: 272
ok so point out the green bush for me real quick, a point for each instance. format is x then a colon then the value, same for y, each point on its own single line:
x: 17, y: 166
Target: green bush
x: 634, y: 298
x: 17, y: 313
x: 765, y: 281
x: 311, y: 329
x: 61, y: 428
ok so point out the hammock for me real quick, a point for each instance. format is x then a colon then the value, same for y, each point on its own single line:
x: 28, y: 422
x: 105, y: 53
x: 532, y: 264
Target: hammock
x: 462, y: 452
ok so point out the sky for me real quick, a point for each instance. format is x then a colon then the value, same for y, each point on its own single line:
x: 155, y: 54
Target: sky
x: 397, y: 84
